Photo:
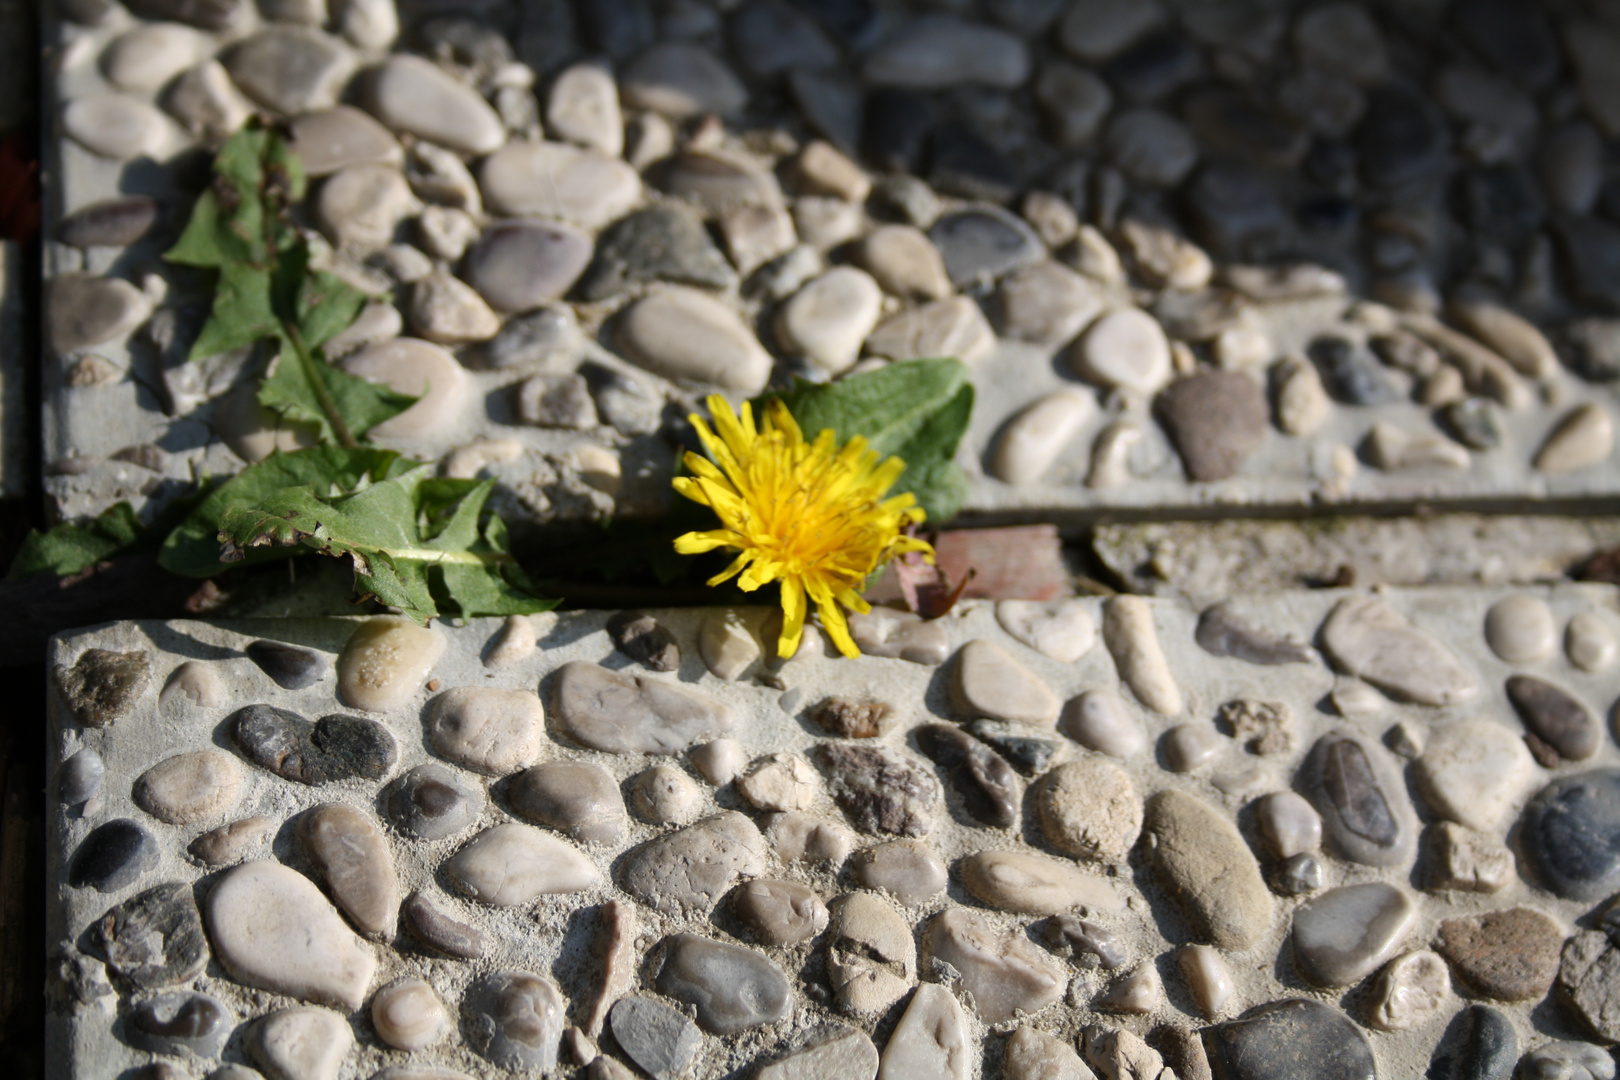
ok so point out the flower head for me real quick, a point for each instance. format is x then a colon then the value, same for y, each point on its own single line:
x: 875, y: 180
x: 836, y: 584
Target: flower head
x: 810, y: 515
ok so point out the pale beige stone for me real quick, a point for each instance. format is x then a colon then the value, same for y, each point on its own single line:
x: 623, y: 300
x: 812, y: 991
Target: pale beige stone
x: 385, y: 662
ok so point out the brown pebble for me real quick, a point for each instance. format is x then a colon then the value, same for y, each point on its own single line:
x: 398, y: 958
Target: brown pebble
x: 433, y: 686
x: 437, y: 930
x: 854, y: 719
x: 1506, y: 955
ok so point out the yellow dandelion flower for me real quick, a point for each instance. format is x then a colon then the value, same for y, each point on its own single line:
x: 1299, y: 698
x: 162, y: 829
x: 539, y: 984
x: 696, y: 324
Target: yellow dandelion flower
x: 810, y: 515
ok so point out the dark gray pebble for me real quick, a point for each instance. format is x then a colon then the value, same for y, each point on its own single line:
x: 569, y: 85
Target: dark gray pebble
x: 113, y: 856
x: 334, y: 748
x: 288, y: 666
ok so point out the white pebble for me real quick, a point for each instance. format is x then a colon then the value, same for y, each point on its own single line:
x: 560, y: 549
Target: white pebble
x: 1208, y: 977
x: 1100, y: 720
x: 408, y: 1015
x: 1589, y: 642
x: 1520, y: 629
x: 719, y: 761
x: 1288, y: 824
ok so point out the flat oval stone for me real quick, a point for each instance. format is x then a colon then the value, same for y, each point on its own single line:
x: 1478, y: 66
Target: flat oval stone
x: 1133, y: 641
x: 900, y: 635
x: 931, y: 1039
x: 656, y: 1037
x: 1582, y: 438
x: 583, y: 107
x: 1004, y: 972
x: 940, y: 51
x: 1570, y: 835
x: 827, y: 320
x: 1366, y: 637
x: 415, y: 96
x: 989, y: 788
x: 113, y: 125
x: 385, y: 660
x: 288, y: 666
x: 102, y: 685
x: 431, y: 802
x: 84, y: 310
x: 349, y: 851
x: 579, y: 798
x: 113, y: 856
x: 686, y: 336
x: 1589, y: 643
x: 1208, y: 870
x: 491, y: 731
x: 1034, y: 884
x: 1520, y: 629
x: 1507, y: 955
x: 154, y: 938
x: 1479, y: 1044
x: 1189, y: 746
x: 515, y: 1019
x: 1347, y: 932
x: 331, y: 140
x: 229, y: 844
x: 301, y: 1044
x: 559, y: 181
x: 953, y: 327
x: 408, y: 1015
x: 879, y: 790
x: 513, y: 864
x: 1222, y: 631
x: 1216, y: 419
x: 109, y: 223
x: 841, y: 1052
x: 1358, y: 790
x: 659, y: 243
x: 80, y: 777
x: 180, y: 1022
x: 148, y: 56
x: 1100, y: 721
x: 983, y: 243
x: 779, y: 912
x: 732, y: 988
x: 1292, y: 1038
x: 1565, y: 729
x: 908, y: 870
x: 1034, y: 439
x: 332, y: 748
x: 290, y: 69
x: 189, y: 787
x: 691, y: 868
x: 604, y: 710
x: 439, y: 931
x: 520, y: 265
x: 1060, y: 629
x: 905, y: 263
x: 989, y: 682
x: 1090, y: 809
x: 1473, y: 771
x: 272, y: 929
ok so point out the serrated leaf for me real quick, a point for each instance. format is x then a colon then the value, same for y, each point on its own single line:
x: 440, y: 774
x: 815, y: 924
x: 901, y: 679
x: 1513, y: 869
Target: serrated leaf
x: 290, y: 389
x: 383, y: 530
x: 242, y: 312
x: 192, y: 549
x: 327, y: 305
x: 71, y: 547
x: 932, y: 474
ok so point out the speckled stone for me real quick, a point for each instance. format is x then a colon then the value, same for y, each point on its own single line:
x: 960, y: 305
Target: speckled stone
x: 333, y: 748
x: 1507, y: 955
x: 384, y: 662
x: 190, y: 787
x: 1208, y: 870
x: 102, y: 686
x: 154, y: 938
x: 879, y: 790
x: 1090, y: 809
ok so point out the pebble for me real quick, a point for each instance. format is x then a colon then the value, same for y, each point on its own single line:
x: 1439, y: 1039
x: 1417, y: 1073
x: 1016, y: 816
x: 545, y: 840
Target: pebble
x: 513, y: 643
x: 446, y: 311
x: 719, y: 760
x: 879, y: 790
x: 800, y: 837
x: 1099, y: 720
x: 779, y: 782
x: 619, y: 714
x: 759, y: 235
x: 1567, y: 1060
x: 871, y: 958
x: 291, y: 70
x: 1289, y: 824
x: 1035, y: 1055
x: 191, y: 787
x: 1003, y: 971
x: 682, y: 80
x: 1561, y: 728
x: 495, y: 732
x: 1033, y: 884
x: 931, y: 1039
x: 288, y: 666
x: 1150, y: 147
x: 180, y: 1022
x: 1401, y: 138
x: 828, y: 319
x: 1366, y: 637
x: 982, y: 243
x: 1061, y: 629
x: 1507, y: 955
x: 1125, y: 349
x: 1090, y: 809
x: 1097, y: 30
x: 1565, y: 834
x: 377, y: 322
x: 660, y: 243
x: 148, y: 56
x: 823, y: 169
x: 1216, y: 419
x: 154, y: 938
x: 613, y: 947
x: 1208, y: 977
x: 779, y: 912
x: 1032, y: 441
x: 114, y: 126
x: 1047, y: 304
x: 1129, y: 633
x: 332, y: 748
x: 1509, y: 335
x: 1136, y: 994
x: 1410, y: 991
x: 684, y: 335
x: 665, y: 795
x: 557, y: 180
x: 908, y: 870
x: 1351, y: 372
x: 102, y: 685
x: 1208, y: 870
x: 723, y: 184
x: 732, y: 988
x: 1187, y: 747
x: 989, y: 788
x: 1474, y: 422
x: 1075, y: 102
x: 109, y: 223
x: 1473, y: 772
x: 991, y: 683
x: 83, y: 310
x: 515, y: 1019
x: 954, y: 327
x: 1356, y: 786
x: 512, y: 864
x: 348, y: 850
x: 1263, y: 727
x: 520, y: 265
x: 1349, y: 931
x: 691, y: 868
x: 936, y: 52
x: 328, y: 141
x: 841, y: 1052
x: 228, y: 844
x: 439, y: 931
x: 656, y: 1037
x: 1468, y: 861
x: 431, y: 802
x: 1585, y: 436
x: 583, y: 108
x: 1084, y: 941
x: 385, y: 660
x: 80, y: 777
x: 408, y: 1015
x: 824, y: 223
x: 1480, y: 1044
x: 113, y: 856
x: 1276, y: 1040
x: 415, y: 96
x: 1594, y: 345
x: 361, y: 207
x: 727, y: 644
x: 301, y: 1044
x: 271, y: 928
x: 900, y: 635
x: 1586, y: 979
x: 1589, y: 643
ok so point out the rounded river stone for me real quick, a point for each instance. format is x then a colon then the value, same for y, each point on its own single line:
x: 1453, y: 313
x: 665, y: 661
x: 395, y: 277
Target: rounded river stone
x: 732, y: 988
x: 431, y: 802
x: 114, y: 855
x: 1357, y: 788
x: 1208, y: 870
x: 1570, y: 835
x: 515, y: 1019
x: 1284, y: 1040
x: 577, y: 797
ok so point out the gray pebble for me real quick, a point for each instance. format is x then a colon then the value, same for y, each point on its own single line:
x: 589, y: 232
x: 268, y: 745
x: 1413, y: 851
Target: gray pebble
x: 289, y: 666
x: 732, y: 988
x: 177, y: 1022
x: 431, y: 802
x: 80, y: 777
x: 656, y: 1037
x: 154, y: 938
x: 515, y: 1019
x: 114, y: 855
